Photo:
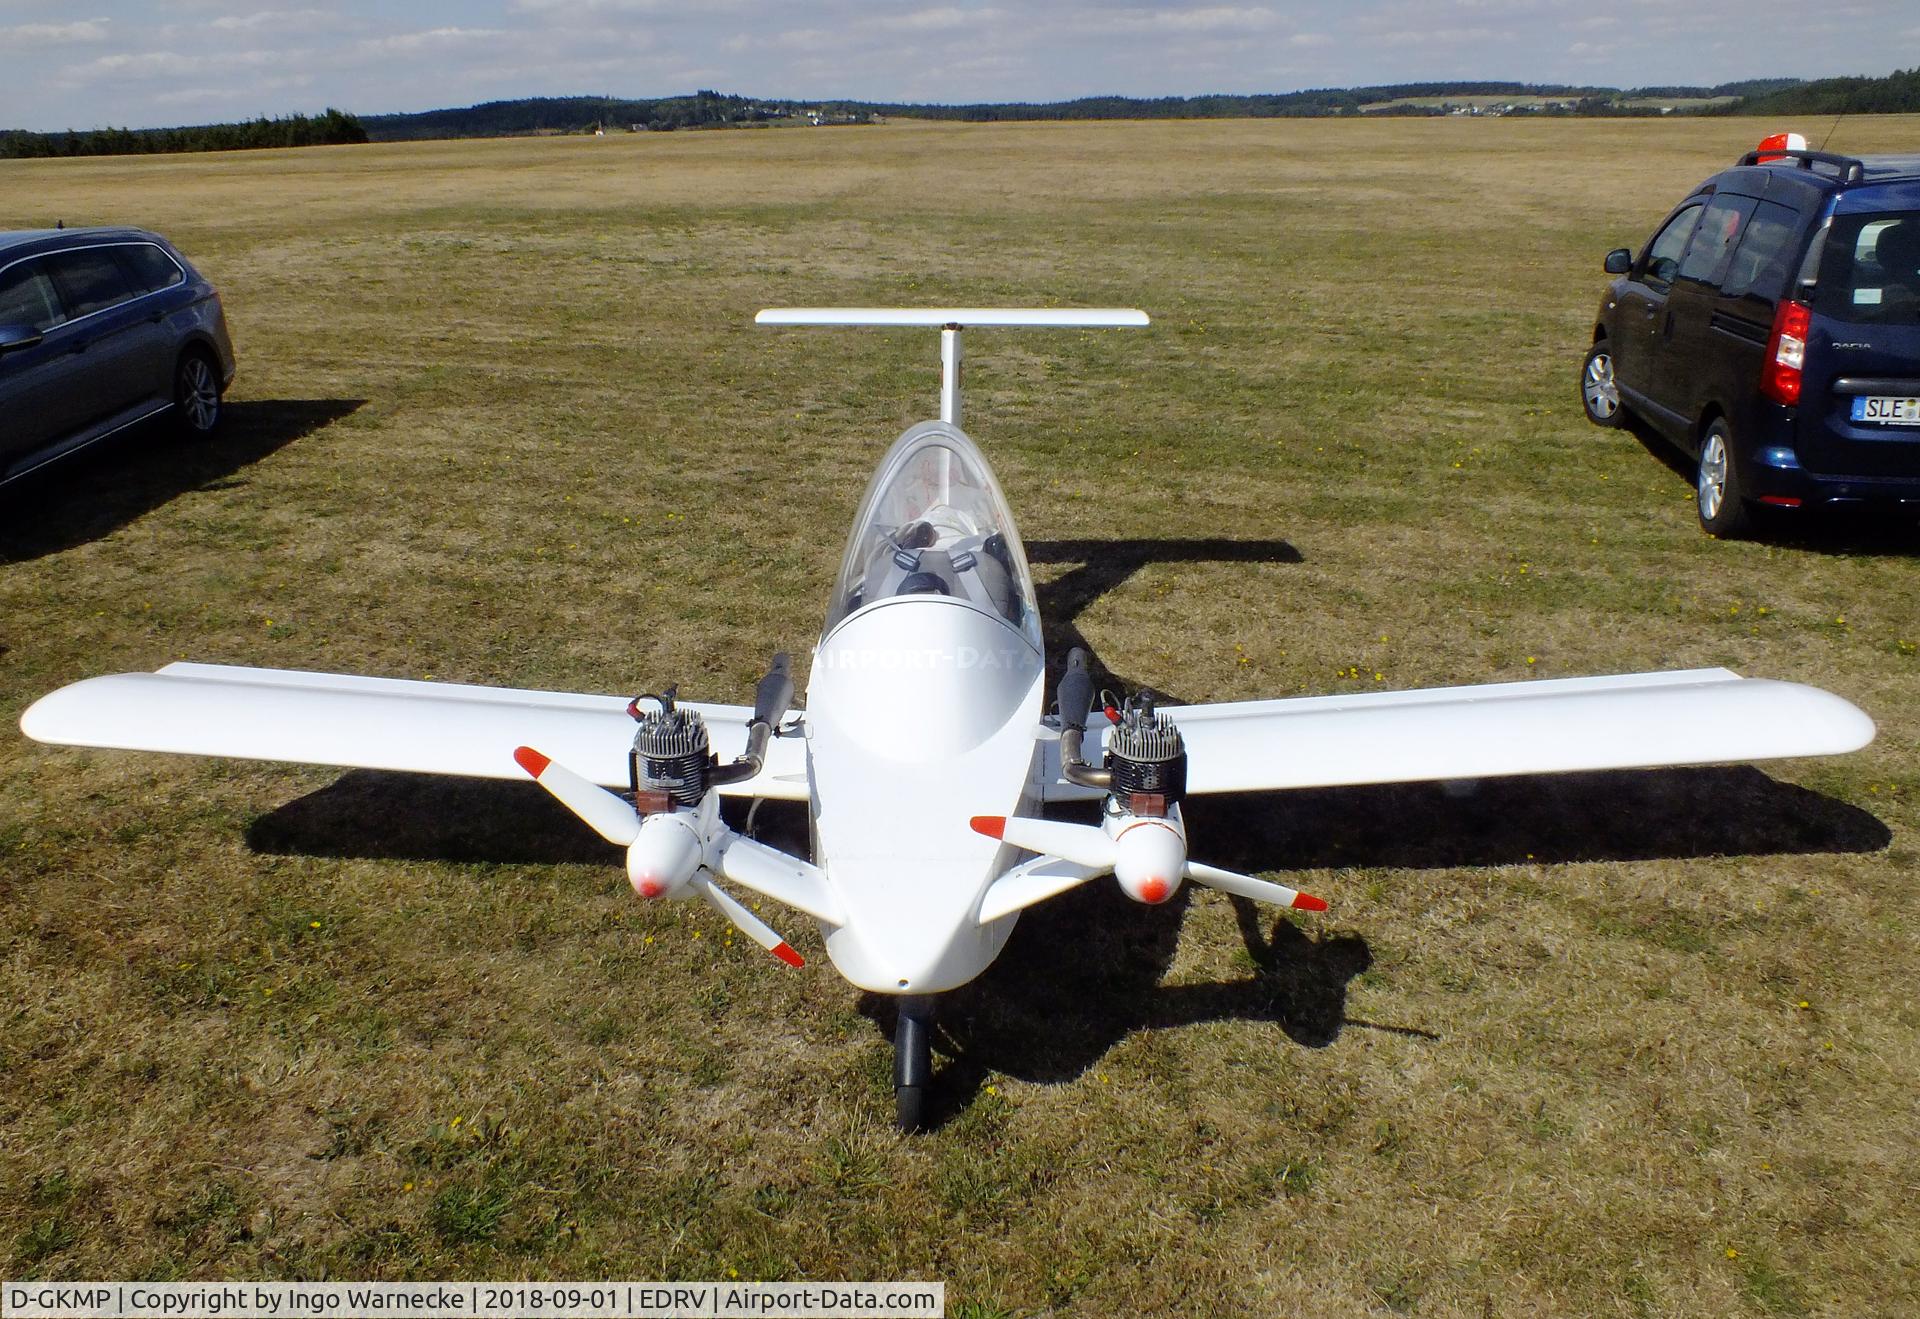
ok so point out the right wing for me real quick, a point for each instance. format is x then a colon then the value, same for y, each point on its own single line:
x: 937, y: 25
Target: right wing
x: 1553, y: 726
x: 378, y: 723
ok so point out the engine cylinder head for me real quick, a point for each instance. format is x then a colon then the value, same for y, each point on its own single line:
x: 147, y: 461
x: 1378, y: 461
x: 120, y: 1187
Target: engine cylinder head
x: 671, y: 754
x: 1145, y: 754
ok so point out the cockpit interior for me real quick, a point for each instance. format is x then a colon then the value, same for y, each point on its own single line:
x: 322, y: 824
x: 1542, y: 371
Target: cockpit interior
x: 935, y: 523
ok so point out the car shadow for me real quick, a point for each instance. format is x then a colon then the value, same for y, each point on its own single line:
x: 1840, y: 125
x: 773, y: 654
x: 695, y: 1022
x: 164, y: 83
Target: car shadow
x: 1846, y: 531
x: 1660, y: 447
x: 109, y: 485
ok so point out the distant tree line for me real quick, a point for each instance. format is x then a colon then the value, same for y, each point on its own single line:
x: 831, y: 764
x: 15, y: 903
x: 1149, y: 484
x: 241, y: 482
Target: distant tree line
x: 583, y: 114
x: 710, y: 109
x: 1897, y: 93
x: 328, y: 128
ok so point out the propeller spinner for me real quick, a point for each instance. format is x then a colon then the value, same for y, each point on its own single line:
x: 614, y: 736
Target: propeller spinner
x: 1147, y: 855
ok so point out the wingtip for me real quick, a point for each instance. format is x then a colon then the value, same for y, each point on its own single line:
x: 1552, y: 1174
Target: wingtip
x: 785, y: 953
x: 531, y: 761
x: 993, y: 826
x: 1307, y: 902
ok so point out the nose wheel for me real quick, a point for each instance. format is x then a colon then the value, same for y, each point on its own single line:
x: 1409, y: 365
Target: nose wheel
x: 912, y: 1061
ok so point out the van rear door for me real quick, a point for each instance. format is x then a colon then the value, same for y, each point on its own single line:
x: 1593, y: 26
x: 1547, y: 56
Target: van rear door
x: 1860, y: 401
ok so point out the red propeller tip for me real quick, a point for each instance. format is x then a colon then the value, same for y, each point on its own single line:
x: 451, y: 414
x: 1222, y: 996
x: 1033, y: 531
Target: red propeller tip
x: 993, y: 826
x: 1307, y: 902
x: 787, y: 955
x: 532, y: 761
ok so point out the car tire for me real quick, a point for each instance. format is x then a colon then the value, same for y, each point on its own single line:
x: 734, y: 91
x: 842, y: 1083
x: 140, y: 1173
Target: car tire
x: 1718, y: 496
x: 1599, y: 391
x: 196, y: 395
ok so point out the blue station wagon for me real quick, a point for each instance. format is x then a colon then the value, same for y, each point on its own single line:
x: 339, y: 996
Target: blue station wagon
x: 101, y: 329
x: 1771, y: 329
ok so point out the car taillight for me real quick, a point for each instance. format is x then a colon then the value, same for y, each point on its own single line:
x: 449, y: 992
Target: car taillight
x: 1786, y: 352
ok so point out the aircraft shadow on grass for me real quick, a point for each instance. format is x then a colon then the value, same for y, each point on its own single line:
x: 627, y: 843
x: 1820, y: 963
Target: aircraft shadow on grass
x: 120, y: 480
x: 1043, y: 1015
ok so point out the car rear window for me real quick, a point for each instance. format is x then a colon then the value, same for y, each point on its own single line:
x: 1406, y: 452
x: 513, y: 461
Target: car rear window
x: 27, y: 297
x: 89, y: 279
x: 149, y: 268
x: 1870, y: 270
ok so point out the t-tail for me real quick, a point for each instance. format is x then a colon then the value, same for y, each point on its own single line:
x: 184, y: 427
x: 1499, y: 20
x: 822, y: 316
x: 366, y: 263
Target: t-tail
x: 951, y: 321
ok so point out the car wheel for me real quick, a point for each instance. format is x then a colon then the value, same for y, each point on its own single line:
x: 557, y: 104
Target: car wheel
x: 196, y: 395
x: 1599, y: 391
x: 1717, y: 495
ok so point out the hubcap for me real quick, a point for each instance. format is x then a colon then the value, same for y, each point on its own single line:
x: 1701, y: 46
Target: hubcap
x: 199, y: 393
x: 1713, y: 476
x: 1602, y: 394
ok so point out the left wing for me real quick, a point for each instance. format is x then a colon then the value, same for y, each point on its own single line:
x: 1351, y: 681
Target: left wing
x: 1690, y: 717
x: 378, y: 723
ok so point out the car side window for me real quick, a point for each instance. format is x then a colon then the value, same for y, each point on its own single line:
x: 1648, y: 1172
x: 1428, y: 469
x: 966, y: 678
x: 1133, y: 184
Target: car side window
x: 89, y: 279
x: 1720, y: 224
x: 1759, y: 265
x: 27, y: 297
x: 1662, y: 260
x: 148, y: 268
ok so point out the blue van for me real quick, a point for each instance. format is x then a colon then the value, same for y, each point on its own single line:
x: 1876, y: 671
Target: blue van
x: 1771, y: 329
x: 101, y: 329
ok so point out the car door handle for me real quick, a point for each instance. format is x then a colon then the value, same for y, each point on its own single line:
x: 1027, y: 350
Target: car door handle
x: 81, y: 347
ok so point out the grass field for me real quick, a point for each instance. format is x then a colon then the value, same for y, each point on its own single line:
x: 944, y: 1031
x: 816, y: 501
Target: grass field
x: 1634, y: 1044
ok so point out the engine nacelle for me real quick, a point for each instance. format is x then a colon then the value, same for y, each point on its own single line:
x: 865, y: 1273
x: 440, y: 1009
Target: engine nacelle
x: 1150, y: 859
x: 664, y: 858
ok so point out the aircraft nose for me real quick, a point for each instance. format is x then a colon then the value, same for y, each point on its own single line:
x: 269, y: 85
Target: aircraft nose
x: 906, y: 962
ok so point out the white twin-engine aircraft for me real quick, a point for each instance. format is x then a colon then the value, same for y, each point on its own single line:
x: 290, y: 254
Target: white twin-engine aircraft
x: 926, y: 750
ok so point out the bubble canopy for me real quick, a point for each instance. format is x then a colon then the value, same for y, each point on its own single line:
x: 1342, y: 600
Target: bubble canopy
x: 934, y: 523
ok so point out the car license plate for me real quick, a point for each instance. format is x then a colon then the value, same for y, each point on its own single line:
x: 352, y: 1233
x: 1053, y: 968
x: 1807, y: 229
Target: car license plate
x: 1887, y: 411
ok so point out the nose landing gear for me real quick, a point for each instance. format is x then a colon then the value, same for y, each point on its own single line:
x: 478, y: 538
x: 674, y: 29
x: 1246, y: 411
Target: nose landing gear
x: 912, y: 1061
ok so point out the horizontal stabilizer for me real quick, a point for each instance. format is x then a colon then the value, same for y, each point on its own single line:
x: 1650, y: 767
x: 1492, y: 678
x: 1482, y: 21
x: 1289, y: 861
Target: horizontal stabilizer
x: 1091, y: 318
x: 377, y: 723
x: 1691, y: 717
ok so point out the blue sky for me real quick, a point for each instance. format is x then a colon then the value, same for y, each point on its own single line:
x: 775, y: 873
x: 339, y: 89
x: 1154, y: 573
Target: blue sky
x: 90, y: 63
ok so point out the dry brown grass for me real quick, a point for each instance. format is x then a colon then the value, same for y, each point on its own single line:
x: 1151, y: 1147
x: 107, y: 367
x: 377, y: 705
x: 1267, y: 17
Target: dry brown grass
x: 1545, y: 1057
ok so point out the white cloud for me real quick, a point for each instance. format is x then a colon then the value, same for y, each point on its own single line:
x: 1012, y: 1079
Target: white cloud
x: 276, y: 20
x: 1214, y: 18
x: 943, y: 19
x: 406, y: 43
x: 168, y: 63
x: 55, y: 34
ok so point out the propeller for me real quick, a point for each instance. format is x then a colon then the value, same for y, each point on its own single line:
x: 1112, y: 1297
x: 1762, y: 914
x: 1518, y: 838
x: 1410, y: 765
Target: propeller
x: 665, y: 852
x: 749, y: 924
x: 1148, y: 856
x: 613, y: 818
